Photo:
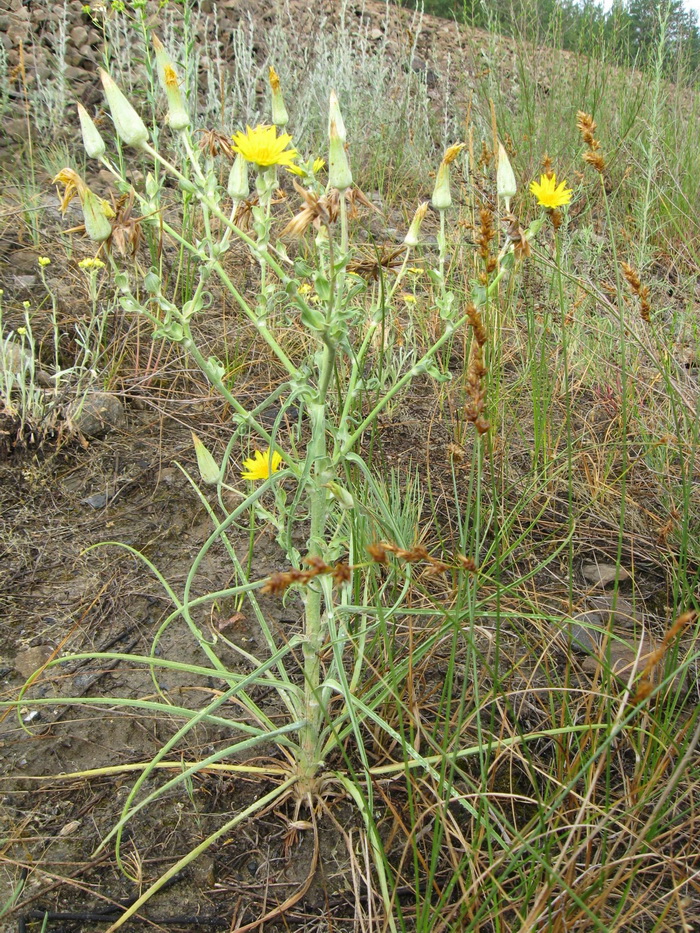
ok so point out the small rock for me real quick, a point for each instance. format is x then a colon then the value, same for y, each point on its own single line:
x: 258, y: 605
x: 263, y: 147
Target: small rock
x: 18, y: 360
x: 28, y: 661
x: 622, y: 656
x: 26, y: 282
x: 376, y: 34
x: 617, y: 610
x: 96, y: 501
x: 73, y: 73
x: 17, y: 126
x: 599, y: 574
x: 580, y: 636
x: 96, y: 414
x: 79, y: 35
x: 23, y: 261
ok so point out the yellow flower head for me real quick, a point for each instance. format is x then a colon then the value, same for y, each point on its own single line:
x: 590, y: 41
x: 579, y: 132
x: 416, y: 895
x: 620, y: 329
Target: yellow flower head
x: 452, y: 153
x: 549, y: 194
x: 264, y: 147
x: 261, y: 465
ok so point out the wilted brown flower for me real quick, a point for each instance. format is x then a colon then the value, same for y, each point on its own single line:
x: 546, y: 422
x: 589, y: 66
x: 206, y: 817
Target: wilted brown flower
x: 126, y: 229
x: 370, y: 263
x: 319, y: 210
x: 516, y: 235
x: 213, y: 143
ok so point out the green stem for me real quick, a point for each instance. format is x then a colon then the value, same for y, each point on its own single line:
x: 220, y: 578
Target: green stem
x: 216, y: 380
x: 310, y: 734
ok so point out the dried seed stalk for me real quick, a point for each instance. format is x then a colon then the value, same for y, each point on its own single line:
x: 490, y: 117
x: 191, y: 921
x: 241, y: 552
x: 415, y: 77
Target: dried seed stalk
x: 587, y: 126
x: 641, y: 291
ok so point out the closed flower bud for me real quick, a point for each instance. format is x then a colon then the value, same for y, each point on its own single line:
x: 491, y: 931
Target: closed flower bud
x: 92, y: 141
x: 412, y: 237
x: 238, y: 187
x: 128, y: 124
x: 341, y: 495
x: 208, y: 468
x: 339, y: 174
x: 178, y: 117
x: 97, y: 225
x: 505, y: 179
x: 280, y: 117
x: 442, y: 196
x: 335, y: 116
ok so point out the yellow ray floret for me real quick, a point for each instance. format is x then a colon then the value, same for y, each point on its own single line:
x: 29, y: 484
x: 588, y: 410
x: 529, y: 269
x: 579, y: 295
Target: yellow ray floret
x: 261, y: 465
x: 264, y: 147
x: 549, y: 194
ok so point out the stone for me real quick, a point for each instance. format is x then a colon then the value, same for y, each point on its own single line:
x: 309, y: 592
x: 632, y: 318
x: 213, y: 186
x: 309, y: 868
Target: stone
x: 18, y: 32
x: 79, y: 35
x: 98, y: 500
x: 17, y: 359
x: 622, y: 657
x: 617, y: 610
x: 600, y: 574
x: 96, y: 414
x: 16, y: 127
x: 29, y: 660
x: 73, y: 73
x: 580, y: 636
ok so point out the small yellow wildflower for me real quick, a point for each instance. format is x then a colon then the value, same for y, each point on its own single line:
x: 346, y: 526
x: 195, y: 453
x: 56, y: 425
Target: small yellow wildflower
x: 319, y: 165
x: 261, y: 465
x: 549, y: 194
x: 264, y: 147
x: 91, y: 263
x: 22, y: 331
x: 408, y: 298
x: 415, y: 270
x: 304, y: 288
x: 44, y: 261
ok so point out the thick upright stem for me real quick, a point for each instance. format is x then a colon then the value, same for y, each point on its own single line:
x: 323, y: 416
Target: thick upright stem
x: 319, y: 476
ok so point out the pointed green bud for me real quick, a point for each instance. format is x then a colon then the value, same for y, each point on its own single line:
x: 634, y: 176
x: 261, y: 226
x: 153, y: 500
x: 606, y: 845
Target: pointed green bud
x: 413, y: 235
x: 97, y: 225
x: 208, y: 468
x: 506, y: 186
x: 335, y: 116
x: 442, y: 196
x: 238, y: 187
x: 534, y: 229
x: 339, y: 174
x: 92, y: 141
x: 178, y: 117
x: 280, y: 117
x: 128, y: 124
x: 341, y: 495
